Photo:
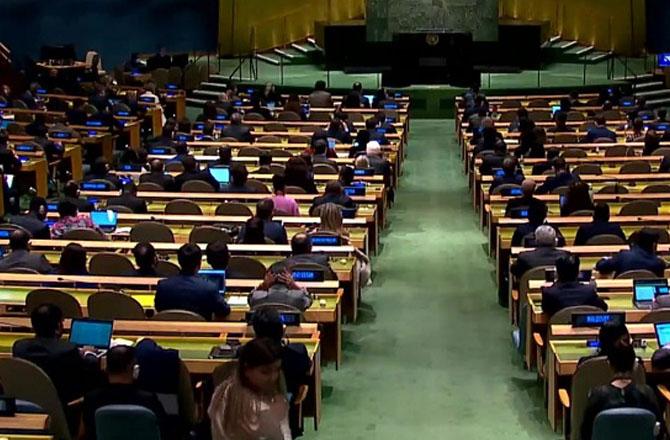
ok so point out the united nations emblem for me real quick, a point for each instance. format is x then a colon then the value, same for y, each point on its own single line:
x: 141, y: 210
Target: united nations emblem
x: 432, y: 39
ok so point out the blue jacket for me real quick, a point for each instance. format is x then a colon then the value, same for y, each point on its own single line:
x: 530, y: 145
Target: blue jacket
x: 599, y: 132
x: 562, y: 295
x: 585, y: 232
x: 563, y: 179
x: 634, y: 259
x: 190, y: 293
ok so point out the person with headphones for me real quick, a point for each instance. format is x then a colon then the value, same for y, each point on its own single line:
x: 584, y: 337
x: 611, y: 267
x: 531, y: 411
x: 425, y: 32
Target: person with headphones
x: 122, y: 374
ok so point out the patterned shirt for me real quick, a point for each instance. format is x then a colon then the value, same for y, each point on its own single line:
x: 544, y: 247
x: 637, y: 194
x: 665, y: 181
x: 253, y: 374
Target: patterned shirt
x: 82, y: 221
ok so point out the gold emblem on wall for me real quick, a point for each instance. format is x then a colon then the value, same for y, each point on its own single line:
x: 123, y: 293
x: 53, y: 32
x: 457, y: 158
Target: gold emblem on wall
x: 432, y: 39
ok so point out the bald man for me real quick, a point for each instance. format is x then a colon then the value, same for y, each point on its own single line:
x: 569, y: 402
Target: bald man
x: 157, y: 175
x: 236, y: 129
x: 526, y: 200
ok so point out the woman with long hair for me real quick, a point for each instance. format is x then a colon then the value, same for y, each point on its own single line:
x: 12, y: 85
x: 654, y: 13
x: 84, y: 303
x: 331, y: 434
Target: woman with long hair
x: 578, y: 198
x: 250, y: 404
x: 296, y: 173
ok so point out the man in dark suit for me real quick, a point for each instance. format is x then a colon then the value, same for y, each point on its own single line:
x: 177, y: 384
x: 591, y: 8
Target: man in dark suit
x: 561, y: 177
x: 275, y: 231
x: 188, y: 291
x: 238, y: 180
x: 540, y: 168
x: 129, y: 199
x: 301, y: 253
x: 158, y: 176
x: 371, y: 127
x: 100, y: 170
x: 545, y: 254
x: 320, y: 97
x: 601, y: 225
x: 319, y: 150
x: 527, y: 200
x: 295, y: 362
x: 333, y: 194
x: 567, y: 291
x: 71, y: 194
x: 237, y: 130
x: 33, y: 221
x: 71, y: 373
x: 191, y: 172
x: 21, y: 257
x: 511, y: 174
x: 599, y: 131
x: 145, y: 259
x: 561, y: 119
x: 495, y: 160
x: 640, y: 256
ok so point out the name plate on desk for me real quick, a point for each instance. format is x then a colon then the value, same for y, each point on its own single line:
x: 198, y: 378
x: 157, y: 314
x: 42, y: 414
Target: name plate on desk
x: 597, y: 319
x: 308, y: 275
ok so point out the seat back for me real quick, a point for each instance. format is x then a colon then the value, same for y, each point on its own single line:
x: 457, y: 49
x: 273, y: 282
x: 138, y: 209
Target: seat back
x: 149, y: 186
x: 659, y: 315
x: 277, y: 168
x: 208, y: 234
x: 241, y: 267
x: 565, y: 138
x: 270, y: 139
x: 120, y: 208
x: 560, y: 190
x: 663, y: 151
x: 624, y: 424
x: 637, y: 167
x: 639, y: 207
x: 288, y: 116
x: 616, y: 151
x: 590, y: 374
x: 324, y: 168
x: 274, y: 126
x: 26, y: 381
x: 67, y: 303
x: 166, y: 269
x: 115, y: 422
x: 183, y: 206
x: 290, y: 189
x: 605, y: 239
x: 656, y: 188
x: 298, y: 139
x: 587, y: 168
x: 252, y: 116
x: 152, y: 232
x: 174, y: 167
x: 110, y: 305
x: 178, y: 315
x: 233, y: 208
x: 110, y: 264
x: 613, y: 188
x: 574, y: 152
x: 83, y: 234
x: 536, y: 273
x: 250, y: 152
x: 505, y: 187
x: 638, y: 274
x: 278, y: 152
x: 258, y: 186
x: 199, y: 186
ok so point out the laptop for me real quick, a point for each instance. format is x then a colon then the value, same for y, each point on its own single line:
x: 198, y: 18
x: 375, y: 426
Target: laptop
x: 354, y: 190
x: 220, y: 174
x: 91, y: 333
x: 555, y: 108
x: 332, y: 143
x: 370, y: 98
x: 105, y: 220
x: 215, y: 276
x: 325, y: 240
x: 662, y: 333
x: 308, y: 275
x: 585, y: 319
x: 645, y: 291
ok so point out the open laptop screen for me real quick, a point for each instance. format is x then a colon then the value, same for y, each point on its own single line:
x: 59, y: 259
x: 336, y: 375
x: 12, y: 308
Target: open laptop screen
x: 215, y: 276
x: 220, y: 174
x: 648, y: 290
x: 91, y: 332
x: 662, y: 333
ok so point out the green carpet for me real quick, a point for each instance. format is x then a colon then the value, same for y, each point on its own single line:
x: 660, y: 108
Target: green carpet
x: 431, y: 357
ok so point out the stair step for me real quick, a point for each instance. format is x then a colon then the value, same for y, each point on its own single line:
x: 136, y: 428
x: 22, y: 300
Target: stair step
x: 653, y: 93
x: 565, y: 45
x: 215, y: 85
x: 206, y: 92
x: 648, y: 85
x: 579, y: 50
x: 597, y: 56
x: 299, y: 48
x: 268, y: 58
x: 659, y: 102
x: 639, y: 78
x: 218, y: 78
x: 195, y: 101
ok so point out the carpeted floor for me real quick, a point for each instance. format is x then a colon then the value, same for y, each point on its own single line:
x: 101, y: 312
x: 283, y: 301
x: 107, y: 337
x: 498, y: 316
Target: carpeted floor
x: 431, y: 357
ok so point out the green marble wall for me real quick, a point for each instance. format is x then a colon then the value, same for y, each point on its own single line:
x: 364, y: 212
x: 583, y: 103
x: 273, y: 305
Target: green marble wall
x: 386, y: 17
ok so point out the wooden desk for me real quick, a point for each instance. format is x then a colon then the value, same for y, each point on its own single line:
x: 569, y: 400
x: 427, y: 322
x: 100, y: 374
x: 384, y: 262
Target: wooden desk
x: 24, y: 423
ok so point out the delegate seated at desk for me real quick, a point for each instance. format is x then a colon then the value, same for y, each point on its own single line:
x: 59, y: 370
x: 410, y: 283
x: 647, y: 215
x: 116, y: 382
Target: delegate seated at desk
x: 526, y: 200
x: 100, y: 170
x: 494, y: 160
x: 545, y: 254
x: 71, y: 219
x: 272, y: 230
x: 71, y: 372
x: 278, y: 287
x: 238, y: 180
x: 524, y: 234
x: 511, y: 174
x: 560, y: 121
x: 301, y: 253
x: 129, y: 199
x: 191, y: 172
x: 641, y: 256
x: 121, y: 389
x: 561, y: 177
x: 283, y: 204
x: 237, y: 130
x: 610, y: 335
x: 334, y: 193
x: 600, y: 131
x: 145, y: 259
x: 567, y: 291
x: 600, y: 225
x: 34, y: 220
x: 21, y: 258
x: 158, y: 176
x: 188, y: 291
x: 71, y: 194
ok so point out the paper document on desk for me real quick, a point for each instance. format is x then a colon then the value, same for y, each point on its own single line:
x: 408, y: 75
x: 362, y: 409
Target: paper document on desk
x: 237, y: 300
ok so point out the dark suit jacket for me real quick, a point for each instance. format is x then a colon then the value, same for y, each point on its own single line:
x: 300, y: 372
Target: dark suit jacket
x: 570, y: 294
x: 164, y: 180
x: 553, y: 182
x: 25, y: 259
x: 519, y: 202
x: 82, y: 205
x: 585, y: 232
x: 71, y: 374
x: 514, y: 179
x: 541, y: 256
x: 342, y: 200
x: 190, y: 293
x: 491, y: 161
x: 276, y: 232
x: 37, y: 228
x: 239, y: 132
x: 139, y: 206
x: 320, y: 99
x: 527, y: 229
x: 634, y: 259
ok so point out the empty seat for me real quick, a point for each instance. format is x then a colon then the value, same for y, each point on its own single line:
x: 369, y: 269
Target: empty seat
x: 151, y: 231
x: 182, y: 206
x: 241, y: 267
x: 638, y: 167
x: 110, y: 264
x: 233, y: 208
x: 639, y: 207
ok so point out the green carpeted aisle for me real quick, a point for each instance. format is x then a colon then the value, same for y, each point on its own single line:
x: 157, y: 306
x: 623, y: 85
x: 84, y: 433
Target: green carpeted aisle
x: 431, y: 357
